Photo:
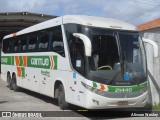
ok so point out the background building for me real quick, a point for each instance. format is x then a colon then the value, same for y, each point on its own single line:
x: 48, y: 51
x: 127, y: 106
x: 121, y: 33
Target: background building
x: 151, y: 30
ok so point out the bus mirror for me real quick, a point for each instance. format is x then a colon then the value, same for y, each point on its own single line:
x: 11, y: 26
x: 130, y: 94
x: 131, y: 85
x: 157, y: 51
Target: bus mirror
x: 86, y: 41
x: 154, y: 44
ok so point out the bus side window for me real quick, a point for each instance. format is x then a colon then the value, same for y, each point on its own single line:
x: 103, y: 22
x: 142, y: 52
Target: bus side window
x: 7, y: 46
x: 16, y: 44
x: 77, y: 55
x: 43, y: 41
x: 33, y: 39
x: 23, y: 43
x: 57, y: 44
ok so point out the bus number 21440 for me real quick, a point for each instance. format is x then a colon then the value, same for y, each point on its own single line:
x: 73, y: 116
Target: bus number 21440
x: 123, y: 89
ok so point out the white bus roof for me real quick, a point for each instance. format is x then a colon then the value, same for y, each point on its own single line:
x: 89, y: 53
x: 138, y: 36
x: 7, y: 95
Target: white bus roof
x: 98, y: 22
x: 78, y: 19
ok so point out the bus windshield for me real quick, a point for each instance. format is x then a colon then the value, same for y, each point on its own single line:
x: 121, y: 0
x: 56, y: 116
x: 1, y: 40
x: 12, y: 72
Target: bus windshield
x: 117, y: 57
x: 105, y: 60
x: 133, y: 54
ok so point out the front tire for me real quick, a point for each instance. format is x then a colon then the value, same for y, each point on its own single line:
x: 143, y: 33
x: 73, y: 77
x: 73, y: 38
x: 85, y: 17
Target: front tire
x: 61, y: 98
x: 147, y: 107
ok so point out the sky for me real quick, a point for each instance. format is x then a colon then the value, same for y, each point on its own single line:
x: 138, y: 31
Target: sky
x: 132, y: 11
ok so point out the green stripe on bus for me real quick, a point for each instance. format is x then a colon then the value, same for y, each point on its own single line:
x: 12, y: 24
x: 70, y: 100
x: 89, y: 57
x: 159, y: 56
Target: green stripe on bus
x: 41, y: 62
x: 127, y: 88
x: 12, y: 62
x: 32, y: 61
x: 23, y: 71
x: 38, y: 62
x: 6, y: 60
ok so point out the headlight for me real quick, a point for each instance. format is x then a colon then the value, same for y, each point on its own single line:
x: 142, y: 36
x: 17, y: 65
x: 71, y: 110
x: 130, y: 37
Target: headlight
x: 94, y: 90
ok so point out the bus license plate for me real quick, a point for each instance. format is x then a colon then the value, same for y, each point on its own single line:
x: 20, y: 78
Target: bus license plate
x: 122, y: 103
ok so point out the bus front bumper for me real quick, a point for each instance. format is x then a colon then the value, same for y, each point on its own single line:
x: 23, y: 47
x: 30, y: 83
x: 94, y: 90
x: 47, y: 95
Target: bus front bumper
x: 95, y: 101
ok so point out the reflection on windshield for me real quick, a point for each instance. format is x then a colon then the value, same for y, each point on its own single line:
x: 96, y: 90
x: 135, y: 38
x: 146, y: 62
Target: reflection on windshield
x: 132, y: 54
x: 104, y: 61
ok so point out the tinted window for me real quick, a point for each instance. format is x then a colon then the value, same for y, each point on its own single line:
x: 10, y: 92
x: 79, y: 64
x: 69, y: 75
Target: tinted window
x: 77, y: 55
x: 76, y: 47
x: 32, y: 45
x: 43, y: 40
x: 57, y: 44
x: 7, y: 46
x: 23, y: 43
x: 16, y: 45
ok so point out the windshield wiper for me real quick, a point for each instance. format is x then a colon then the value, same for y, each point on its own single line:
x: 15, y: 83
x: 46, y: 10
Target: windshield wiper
x: 110, y: 81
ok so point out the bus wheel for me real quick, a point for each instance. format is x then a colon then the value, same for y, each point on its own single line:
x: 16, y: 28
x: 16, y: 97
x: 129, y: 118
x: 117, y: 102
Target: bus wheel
x: 14, y: 83
x: 61, y: 98
x: 9, y: 81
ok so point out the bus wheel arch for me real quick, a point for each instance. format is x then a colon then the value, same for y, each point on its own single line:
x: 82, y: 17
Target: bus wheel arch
x: 60, y: 95
x: 56, y: 88
x: 14, y: 82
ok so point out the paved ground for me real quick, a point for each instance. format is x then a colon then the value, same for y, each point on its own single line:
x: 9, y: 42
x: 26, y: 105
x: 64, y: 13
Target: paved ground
x: 26, y: 100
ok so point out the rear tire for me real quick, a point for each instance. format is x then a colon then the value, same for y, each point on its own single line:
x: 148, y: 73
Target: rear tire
x: 14, y: 84
x: 9, y: 81
x: 61, y: 98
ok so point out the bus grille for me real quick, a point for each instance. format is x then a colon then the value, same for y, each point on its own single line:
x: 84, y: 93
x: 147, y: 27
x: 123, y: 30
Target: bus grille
x: 123, y: 94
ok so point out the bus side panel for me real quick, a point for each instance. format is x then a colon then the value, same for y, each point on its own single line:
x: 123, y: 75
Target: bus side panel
x: 4, y: 66
x: 4, y: 69
x: 42, y: 71
x: 76, y: 90
x: 57, y: 72
x: 47, y: 85
x: 31, y: 79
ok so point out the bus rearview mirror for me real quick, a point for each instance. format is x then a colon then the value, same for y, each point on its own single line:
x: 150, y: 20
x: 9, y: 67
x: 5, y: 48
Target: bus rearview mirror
x: 86, y: 41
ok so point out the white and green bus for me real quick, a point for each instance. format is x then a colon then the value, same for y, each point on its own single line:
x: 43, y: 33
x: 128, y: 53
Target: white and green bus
x: 92, y: 62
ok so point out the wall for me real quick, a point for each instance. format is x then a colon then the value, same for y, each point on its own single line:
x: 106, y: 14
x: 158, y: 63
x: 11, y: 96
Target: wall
x: 153, y: 65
